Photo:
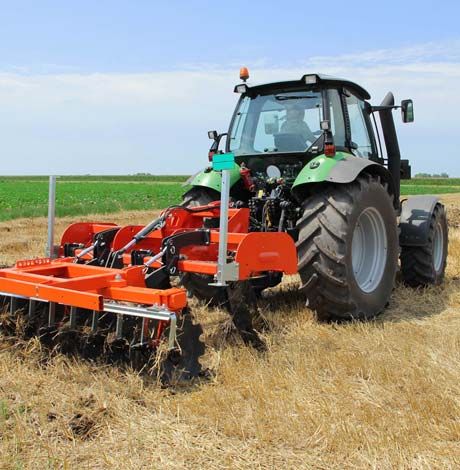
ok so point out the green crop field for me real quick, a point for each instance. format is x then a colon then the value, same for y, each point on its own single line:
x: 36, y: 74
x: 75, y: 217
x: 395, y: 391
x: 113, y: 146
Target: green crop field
x: 27, y: 196
x: 146, y: 178
x: 19, y: 198
x: 433, y: 182
x: 411, y: 189
x: 430, y: 186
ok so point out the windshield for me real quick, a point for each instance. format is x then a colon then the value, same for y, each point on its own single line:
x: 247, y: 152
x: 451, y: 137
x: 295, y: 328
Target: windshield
x: 280, y: 122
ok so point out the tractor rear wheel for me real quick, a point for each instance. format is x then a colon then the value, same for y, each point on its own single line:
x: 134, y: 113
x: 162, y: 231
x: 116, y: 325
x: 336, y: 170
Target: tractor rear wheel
x: 425, y: 265
x: 348, y: 249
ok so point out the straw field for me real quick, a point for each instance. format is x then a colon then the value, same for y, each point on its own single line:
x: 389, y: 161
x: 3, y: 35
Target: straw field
x: 384, y: 394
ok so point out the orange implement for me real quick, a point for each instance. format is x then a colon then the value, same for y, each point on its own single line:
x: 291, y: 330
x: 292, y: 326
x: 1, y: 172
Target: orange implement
x: 85, y: 286
x: 255, y: 252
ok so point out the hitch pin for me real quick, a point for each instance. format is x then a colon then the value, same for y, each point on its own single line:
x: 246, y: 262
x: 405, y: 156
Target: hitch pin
x: 155, y: 258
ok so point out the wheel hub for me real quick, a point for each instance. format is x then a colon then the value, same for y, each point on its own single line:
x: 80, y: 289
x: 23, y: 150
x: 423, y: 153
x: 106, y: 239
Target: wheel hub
x: 369, y: 250
x: 438, y: 247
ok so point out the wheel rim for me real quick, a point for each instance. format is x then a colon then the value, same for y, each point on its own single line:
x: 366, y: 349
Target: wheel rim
x: 369, y: 250
x: 438, y: 247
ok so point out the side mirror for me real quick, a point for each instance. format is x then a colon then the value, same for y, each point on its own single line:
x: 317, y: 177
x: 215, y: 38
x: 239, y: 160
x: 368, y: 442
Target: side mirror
x: 213, y: 135
x: 271, y: 124
x: 216, y: 138
x: 407, y: 110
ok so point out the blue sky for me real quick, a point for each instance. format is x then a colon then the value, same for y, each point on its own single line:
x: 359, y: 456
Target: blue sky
x: 124, y: 87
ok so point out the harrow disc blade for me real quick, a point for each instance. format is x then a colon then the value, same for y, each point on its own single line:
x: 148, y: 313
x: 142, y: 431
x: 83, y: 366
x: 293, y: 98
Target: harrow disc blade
x: 183, y: 363
x: 242, y: 306
x: 107, y: 338
x: 92, y: 346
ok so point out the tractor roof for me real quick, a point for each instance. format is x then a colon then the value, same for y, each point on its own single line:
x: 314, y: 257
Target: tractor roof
x: 319, y: 79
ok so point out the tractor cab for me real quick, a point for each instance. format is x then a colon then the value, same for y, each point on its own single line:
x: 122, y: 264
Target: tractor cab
x: 287, y: 124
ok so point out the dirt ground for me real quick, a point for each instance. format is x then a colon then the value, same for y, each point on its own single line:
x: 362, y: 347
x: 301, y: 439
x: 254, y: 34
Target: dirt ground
x: 384, y: 394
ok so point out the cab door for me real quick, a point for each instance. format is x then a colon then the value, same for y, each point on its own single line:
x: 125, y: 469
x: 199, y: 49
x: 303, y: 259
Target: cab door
x: 362, y: 135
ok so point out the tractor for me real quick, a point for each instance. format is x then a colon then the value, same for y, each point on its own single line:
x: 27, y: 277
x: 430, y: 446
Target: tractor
x: 309, y: 162
x: 301, y: 185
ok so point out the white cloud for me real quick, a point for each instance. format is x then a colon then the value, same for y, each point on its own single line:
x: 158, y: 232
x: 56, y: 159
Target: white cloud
x: 445, y: 51
x: 68, y: 122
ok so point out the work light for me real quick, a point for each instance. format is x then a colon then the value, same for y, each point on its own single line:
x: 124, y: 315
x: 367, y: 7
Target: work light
x: 310, y: 79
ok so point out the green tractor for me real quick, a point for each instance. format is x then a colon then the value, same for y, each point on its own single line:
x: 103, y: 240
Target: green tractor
x: 309, y: 162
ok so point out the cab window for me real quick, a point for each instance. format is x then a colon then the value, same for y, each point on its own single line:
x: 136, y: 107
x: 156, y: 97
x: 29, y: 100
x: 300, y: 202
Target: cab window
x: 283, y: 122
x: 363, y: 145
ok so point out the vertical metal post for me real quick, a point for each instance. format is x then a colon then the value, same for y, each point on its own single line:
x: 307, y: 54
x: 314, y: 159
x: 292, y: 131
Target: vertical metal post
x: 172, y: 332
x: 51, y: 314
x: 51, y: 216
x: 223, y: 228
x: 73, y: 318
x: 13, y: 305
x: 119, y: 327
x: 94, y: 321
x: 32, y: 307
x: 144, y: 326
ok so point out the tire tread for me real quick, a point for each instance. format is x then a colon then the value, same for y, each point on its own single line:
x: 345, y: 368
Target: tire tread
x: 321, y: 248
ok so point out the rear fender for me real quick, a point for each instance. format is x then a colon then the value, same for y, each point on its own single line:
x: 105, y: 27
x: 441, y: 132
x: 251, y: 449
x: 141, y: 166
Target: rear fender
x: 342, y: 168
x: 415, y: 220
x: 209, y: 178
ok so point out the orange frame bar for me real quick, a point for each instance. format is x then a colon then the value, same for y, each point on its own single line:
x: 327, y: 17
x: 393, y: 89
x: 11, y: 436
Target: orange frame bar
x: 86, y: 286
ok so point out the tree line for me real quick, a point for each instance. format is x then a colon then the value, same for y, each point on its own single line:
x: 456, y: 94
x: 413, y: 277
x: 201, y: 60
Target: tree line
x: 429, y: 175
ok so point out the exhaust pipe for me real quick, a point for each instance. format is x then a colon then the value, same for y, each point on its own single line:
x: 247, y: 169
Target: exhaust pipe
x: 391, y: 143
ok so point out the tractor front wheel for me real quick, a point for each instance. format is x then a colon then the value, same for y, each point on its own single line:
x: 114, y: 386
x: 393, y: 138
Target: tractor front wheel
x: 348, y: 249
x: 425, y: 265
x: 198, y: 284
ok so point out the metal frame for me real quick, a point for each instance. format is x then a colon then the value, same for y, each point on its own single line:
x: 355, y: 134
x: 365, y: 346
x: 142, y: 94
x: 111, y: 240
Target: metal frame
x: 50, y: 251
x: 225, y: 271
x: 151, y: 313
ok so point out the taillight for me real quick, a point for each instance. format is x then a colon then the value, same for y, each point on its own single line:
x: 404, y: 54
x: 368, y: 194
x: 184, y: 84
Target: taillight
x: 246, y: 177
x: 329, y: 150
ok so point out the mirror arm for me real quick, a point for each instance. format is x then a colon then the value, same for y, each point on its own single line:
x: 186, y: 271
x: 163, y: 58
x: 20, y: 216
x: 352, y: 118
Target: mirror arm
x: 374, y: 109
x: 215, y: 144
x: 219, y: 138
